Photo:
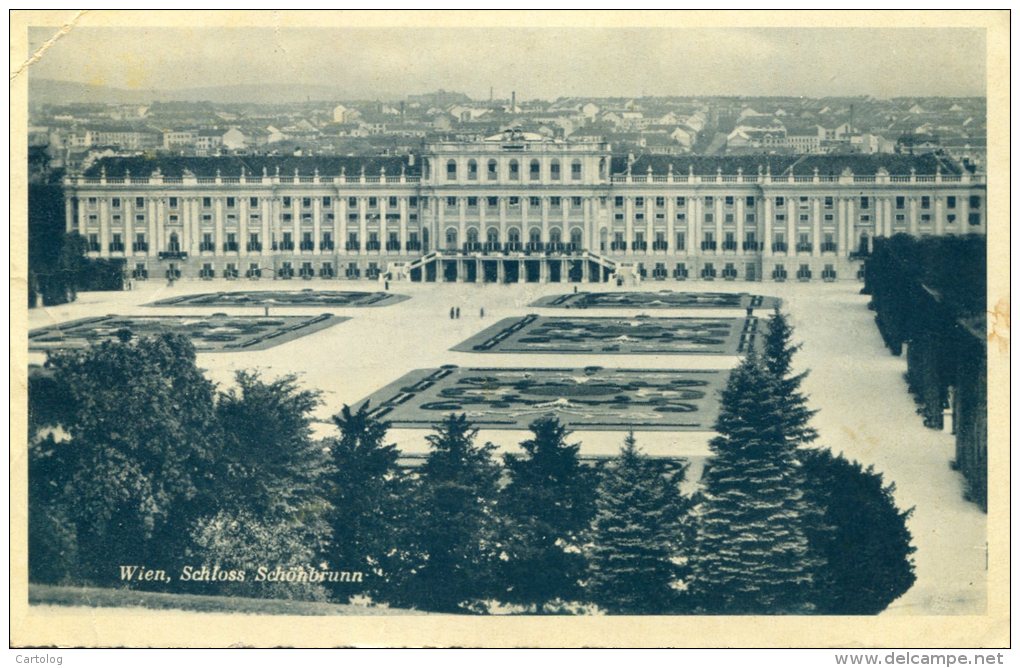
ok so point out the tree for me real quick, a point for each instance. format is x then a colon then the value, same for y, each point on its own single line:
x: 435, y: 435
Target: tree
x: 454, y: 530
x: 370, y: 495
x: 546, y: 508
x: 135, y: 465
x: 868, y: 550
x: 777, y: 355
x: 638, y: 534
x: 270, y: 467
x: 753, y: 554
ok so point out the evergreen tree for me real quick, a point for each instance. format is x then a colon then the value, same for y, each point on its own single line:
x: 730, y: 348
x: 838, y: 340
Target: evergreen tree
x: 777, y: 355
x: 454, y: 521
x: 638, y: 535
x: 369, y: 494
x: 753, y: 555
x: 868, y: 551
x: 546, y: 508
x: 135, y: 466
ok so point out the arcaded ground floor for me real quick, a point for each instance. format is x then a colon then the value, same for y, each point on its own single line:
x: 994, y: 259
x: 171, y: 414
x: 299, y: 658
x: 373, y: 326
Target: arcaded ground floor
x: 865, y: 411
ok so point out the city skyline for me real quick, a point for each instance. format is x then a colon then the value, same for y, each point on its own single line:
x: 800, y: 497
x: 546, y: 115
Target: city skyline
x: 537, y: 63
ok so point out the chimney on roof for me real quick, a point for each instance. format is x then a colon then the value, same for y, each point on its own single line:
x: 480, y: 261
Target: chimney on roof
x: 513, y: 102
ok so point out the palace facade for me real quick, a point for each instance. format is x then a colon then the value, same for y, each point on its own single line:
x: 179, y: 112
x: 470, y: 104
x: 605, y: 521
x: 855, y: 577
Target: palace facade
x: 515, y: 207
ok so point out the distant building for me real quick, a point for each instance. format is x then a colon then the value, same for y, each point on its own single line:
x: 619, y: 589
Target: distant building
x: 516, y: 207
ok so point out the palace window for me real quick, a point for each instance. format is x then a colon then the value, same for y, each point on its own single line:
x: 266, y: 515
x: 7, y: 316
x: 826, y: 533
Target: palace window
x: 925, y: 202
x: 975, y: 201
x: 575, y: 202
x: 681, y: 202
x: 780, y: 202
x: 139, y: 202
x: 352, y: 202
x: 639, y: 201
x: 728, y: 201
x: 828, y: 202
x: 534, y: 201
x: 492, y: 202
x: 472, y: 202
x: 472, y: 170
x: 534, y: 170
x: 575, y: 170
x: 865, y: 202
x: 554, y: 170
x: 115, y: 202
x: 207, y: 202
x: 901, y: 202
x: 750, y: 200
x: 951, y: 202
x: 231, y: 202
x: 451, y: 170
x: 492, y: 170
x: 327, y: 202
x: 709, y: 201
x: 515, y: 170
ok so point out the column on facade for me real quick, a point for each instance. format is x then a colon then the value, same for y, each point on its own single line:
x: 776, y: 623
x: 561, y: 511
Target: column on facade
x: 694, y: 225
x: 963, y: 201
x: 403, y: 224
x: 889, y: 217
x: 913, y: 216
x: 565, y: 223
x: 483, y: 230
x: 671, y: 223
x: 196, y: 226
x: 161, y: 223
x: 218, y: 222
x: 341, y: 214
x: 525, y: 226
x: 740, y: 223
x: 265, y: 214
x: 150, y: 219
x: 767, y: 241
x: 842, y: 223
x: 439, y: 238
x: 317, y: 225
x: 104, y: 227
x: 588, y: 239
x: 628, y: 216
x: 718, y: 215
x: 461, y: 224
x: 940, y: 223
x: 792, y: 218
x: 127, y: 206
x: 242, y: 225
x: 502, y: 204
x: 295, y: 222
x: 384, y: 209
x: 545, y: 220
x: 82, y: 221
x: 851, y: 227
x: 649, y: 223
x: 363, y: 224
x: 68, y: 214
x: 816, y: 226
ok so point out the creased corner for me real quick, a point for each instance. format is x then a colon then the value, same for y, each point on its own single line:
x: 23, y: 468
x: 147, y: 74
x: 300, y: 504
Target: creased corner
x: 64, y: 29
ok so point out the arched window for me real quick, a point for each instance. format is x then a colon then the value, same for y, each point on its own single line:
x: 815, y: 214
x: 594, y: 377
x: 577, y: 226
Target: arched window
x: 472, y: 170
x: 451, y: 170
x: 575, y: 170
x: 472, y: 235
x: 576, y: 237
x: 555, y: 236
x: 451, y: 238
x: 535, y: 170
x: 515, y: 171
x: 554, y: 170
x: 492, y: 171
x: 426, y: 168
x: 492, y: 236
x: 513, y: 235
x: 535, y: 236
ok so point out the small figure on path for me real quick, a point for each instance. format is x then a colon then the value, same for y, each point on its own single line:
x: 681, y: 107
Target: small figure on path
x: 386, y: 285
x: 457, y: 310
x: 267, y: 310
x: 575, y: 289
x: 452, y: 313
x: 481, y: 313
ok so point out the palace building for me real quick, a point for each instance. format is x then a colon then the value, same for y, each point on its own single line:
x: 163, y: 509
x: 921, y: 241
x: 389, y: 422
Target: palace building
x: 515, y: 207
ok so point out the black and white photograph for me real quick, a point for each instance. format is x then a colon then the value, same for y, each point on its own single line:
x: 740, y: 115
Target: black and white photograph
x: 509, y: 329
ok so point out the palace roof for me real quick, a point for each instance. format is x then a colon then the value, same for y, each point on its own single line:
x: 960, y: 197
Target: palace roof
x: 231, y: 166
x: 778, y: 165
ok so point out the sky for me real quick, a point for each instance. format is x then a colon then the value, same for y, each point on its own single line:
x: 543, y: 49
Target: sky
x: 536, y: 62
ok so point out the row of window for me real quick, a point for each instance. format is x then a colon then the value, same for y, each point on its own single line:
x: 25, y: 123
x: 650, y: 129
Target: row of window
x: 804, y: 202
x: 253, y: 202
x: 513, y: 172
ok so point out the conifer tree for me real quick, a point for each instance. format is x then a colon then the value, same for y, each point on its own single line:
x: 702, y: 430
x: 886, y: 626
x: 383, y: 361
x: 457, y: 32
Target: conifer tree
x: 777, y: 355
x: 753, y: 555
x: 638, y: 536
x: 546, y: 508
x: 369, y: 495
x: 868, y: 551
x: 454, y: 528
